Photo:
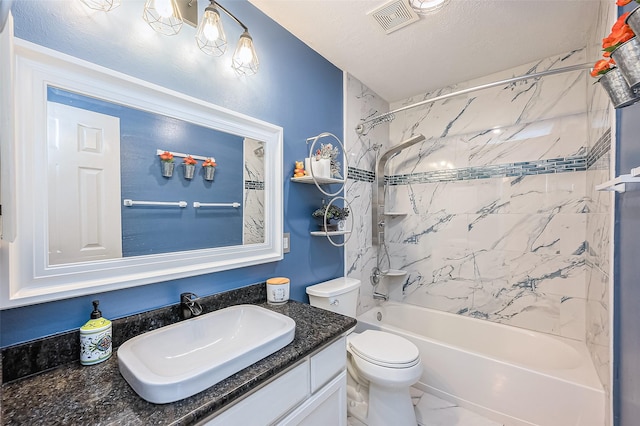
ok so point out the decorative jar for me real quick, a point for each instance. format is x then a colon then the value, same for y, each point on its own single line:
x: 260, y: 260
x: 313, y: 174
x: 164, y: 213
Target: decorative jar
x: 209, y: 172
x: 189, y: 170
x: 167, y: 168
x: 627, y: 58
x: 633, y: 20
x: 620, y: 94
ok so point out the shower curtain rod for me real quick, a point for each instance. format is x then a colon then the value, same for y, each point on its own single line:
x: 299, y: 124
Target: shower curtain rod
x: 389, y: 116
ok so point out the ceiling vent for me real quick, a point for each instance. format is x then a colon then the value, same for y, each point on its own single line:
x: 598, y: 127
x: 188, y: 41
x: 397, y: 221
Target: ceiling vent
x: 394, y: 15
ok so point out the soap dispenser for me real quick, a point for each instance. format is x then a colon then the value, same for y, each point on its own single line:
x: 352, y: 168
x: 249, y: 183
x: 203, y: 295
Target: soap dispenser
x: 95, y: 338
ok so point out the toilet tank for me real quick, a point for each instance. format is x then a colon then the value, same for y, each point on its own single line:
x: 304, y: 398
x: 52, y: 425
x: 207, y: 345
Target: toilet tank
x: 339, y: 295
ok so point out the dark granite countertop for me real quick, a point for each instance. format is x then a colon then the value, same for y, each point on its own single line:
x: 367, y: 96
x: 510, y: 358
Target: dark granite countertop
x: 98, y: 395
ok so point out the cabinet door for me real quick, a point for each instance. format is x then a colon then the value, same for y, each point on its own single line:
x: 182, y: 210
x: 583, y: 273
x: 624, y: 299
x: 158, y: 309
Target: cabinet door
x: 328, y: 364
x: 326, y: 407
x: 268, y: 403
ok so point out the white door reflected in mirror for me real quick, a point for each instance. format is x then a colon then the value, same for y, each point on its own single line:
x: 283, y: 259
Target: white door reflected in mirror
x: 84, y: 185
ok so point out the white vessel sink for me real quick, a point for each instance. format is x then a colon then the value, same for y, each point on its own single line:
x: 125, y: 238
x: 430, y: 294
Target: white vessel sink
x: 182, y: 359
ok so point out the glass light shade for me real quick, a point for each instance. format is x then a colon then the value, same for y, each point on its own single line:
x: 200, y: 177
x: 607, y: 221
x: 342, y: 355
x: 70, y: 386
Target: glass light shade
x: 427, y: 7
x: 210, y: 34
x: 104, y: 5
x: 245, y: 59
x: 163, y: 16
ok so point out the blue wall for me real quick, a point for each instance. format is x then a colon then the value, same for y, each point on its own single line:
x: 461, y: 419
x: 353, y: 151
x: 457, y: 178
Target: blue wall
x: 295, y: 88
x: 626, y: 388
x: 626, y: 315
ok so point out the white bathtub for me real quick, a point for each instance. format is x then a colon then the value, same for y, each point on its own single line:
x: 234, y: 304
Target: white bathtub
x: 515, y: 376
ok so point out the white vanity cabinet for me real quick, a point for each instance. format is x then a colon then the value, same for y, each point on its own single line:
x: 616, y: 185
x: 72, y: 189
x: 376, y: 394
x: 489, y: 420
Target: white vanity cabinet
x: 313, y: 392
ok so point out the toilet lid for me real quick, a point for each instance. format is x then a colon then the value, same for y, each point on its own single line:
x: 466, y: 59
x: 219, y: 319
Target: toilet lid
x: 384, y: 349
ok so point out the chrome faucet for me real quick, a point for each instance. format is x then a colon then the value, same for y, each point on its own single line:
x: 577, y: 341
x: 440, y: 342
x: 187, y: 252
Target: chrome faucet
x: 190, y: 304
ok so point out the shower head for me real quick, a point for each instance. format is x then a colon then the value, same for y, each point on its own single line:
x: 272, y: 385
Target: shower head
x: 384, y: 118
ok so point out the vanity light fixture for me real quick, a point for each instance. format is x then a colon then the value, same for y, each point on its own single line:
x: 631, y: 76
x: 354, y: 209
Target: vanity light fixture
x: 211, y: 40
x: 167, y: 17
x: 427, y: 7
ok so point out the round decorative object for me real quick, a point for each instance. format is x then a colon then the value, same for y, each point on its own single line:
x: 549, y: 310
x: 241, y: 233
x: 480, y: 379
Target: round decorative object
x: 311, y: 170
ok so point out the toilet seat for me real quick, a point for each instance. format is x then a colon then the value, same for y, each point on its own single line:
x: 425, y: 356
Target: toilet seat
x: 384, y: 349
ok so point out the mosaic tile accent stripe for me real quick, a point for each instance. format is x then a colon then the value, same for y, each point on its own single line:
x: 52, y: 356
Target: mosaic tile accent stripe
x: 360, y: 175
x: 253, y: 184
x: 524, y: 168
x: 600, y: 148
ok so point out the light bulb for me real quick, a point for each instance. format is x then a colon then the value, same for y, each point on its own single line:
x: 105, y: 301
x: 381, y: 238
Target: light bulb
x: 245, y: 60
x: 245, y: 55
x: 210, y: 33
x: 210, y: 30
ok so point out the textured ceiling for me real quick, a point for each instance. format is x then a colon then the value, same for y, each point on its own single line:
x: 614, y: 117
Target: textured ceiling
x: 465, y: 40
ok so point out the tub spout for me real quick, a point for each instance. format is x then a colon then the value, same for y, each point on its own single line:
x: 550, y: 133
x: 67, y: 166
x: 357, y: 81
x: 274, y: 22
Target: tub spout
x: 190, y: 305
x: 380, y: 296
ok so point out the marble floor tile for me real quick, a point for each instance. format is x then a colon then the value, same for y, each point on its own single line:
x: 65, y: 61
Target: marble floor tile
x: 433, y: 411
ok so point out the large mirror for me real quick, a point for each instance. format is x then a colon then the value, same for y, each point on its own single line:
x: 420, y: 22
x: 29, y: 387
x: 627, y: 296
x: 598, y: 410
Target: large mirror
x: 97, y: 205
x: 125, y: 182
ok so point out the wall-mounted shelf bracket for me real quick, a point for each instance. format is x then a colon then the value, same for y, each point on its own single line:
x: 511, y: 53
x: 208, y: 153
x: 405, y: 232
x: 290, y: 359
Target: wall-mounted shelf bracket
x: 183, y: 155
x: 619, y: 184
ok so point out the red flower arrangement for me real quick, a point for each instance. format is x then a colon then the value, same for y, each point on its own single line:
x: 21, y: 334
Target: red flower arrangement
x: 620, y: 33
x: 602, y: 67
x: 167, y: 157
x: 209, y: 162
x: 189, y: 161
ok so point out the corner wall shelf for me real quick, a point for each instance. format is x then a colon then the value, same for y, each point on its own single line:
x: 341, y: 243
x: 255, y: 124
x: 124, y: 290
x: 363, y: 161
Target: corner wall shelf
x: 394, y: 273
x: 320, y: 180
x: 395, y: 214
x: 619, y: 184
x: 328, y: 233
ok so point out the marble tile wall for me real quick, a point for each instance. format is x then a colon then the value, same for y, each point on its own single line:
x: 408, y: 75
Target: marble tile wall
x: 253, y: 229
x: 504, y: 240
x: 362, y: 103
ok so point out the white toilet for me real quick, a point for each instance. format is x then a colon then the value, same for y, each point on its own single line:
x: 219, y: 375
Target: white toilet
x: 382, y: 366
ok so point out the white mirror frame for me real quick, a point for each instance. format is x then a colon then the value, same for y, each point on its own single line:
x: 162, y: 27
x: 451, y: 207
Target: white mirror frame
x: 26, y: 276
